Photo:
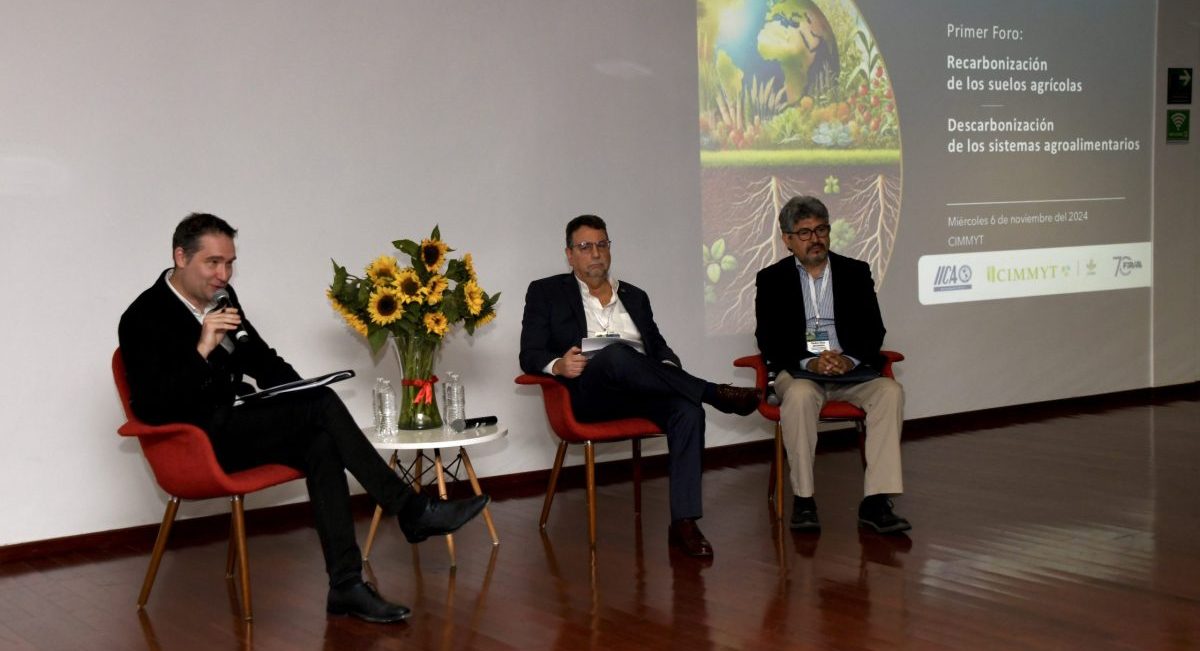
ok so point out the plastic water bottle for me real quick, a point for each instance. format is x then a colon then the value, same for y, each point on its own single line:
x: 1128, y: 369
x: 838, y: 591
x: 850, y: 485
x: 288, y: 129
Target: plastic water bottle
x: 386, y: 417
x: 376, y: 408
x: 454, y: 400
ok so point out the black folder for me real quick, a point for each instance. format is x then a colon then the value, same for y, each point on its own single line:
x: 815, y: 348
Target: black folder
x: 298, y: 385
x: 860, y: 373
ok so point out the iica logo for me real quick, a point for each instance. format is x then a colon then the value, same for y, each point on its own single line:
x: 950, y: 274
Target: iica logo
x: 1125, y: 265
x: 949, y: 278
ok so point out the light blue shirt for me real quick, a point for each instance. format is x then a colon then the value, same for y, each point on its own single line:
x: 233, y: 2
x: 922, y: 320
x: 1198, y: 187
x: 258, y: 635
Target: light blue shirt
x: 818, y: 315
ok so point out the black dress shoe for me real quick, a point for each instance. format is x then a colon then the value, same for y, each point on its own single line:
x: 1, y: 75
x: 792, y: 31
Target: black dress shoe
x: 360, y: 600
x: 804, y: 514
x: 441, y: 517
x: 875, y: 512
x: 686, y: 536
x: 735, y: 400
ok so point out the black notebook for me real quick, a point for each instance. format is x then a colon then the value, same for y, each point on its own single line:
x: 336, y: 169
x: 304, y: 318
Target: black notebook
x: 298, y: 385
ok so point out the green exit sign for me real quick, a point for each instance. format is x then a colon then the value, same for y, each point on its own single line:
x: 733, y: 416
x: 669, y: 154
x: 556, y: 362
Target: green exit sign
x: 1179, y: 85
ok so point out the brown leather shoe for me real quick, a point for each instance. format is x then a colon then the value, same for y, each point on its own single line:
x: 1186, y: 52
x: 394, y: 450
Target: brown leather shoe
x: 735, y: 400
x: 685, y: 535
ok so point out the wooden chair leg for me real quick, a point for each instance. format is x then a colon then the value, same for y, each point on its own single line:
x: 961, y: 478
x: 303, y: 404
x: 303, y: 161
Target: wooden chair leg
x: 160, y: 544
x: 589, y: 453
x: 861, y: 426
x: 487, y: 515
x: 441, y: 484
x: 777, y: 476
x: 239, y: 528
x: 637, y: 476
x: 771, y: 478
x: 418, y: 471
x: 558, y: 462
x: 231, y: 552
x: 375, y: 519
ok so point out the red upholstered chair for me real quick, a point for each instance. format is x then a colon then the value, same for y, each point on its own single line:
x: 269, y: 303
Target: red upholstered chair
x: 562, y: 420
x: 186, y: 468
x: 832, y: 411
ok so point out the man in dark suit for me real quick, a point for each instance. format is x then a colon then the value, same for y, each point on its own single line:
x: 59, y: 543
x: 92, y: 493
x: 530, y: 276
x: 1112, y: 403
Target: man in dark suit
x: 620, y: 380
x: 183, y: 365
x: 818, y: 317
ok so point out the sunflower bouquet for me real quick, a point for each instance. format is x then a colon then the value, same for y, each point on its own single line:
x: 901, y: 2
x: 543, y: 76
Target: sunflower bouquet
x: 413, y: 301
x: 413, y: 306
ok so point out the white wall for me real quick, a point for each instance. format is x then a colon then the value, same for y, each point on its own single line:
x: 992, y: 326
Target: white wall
x: 328, y: 129
x: 1175, y: 346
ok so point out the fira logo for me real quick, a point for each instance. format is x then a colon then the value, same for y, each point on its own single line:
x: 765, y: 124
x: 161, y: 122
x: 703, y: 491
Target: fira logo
x: 1125, y: 265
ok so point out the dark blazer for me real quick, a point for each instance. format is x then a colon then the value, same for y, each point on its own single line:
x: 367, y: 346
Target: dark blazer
x: 554, y: 321
x: 779, y: 311
x: 168, y: 379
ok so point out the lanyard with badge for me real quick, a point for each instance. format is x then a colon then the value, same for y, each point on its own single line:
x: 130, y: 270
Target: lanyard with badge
x: 816, y: 337
x: 605, y: 324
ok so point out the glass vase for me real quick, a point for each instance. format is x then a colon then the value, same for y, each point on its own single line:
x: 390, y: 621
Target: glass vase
x: 418, y: 406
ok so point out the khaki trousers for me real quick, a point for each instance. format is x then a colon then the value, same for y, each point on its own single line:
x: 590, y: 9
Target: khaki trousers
x: 882, y: 399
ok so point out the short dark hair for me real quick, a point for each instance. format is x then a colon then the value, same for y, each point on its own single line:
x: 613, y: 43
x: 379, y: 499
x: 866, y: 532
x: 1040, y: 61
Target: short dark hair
x: 798, y: 208
x: 196, y: 225
x: 591, y: 221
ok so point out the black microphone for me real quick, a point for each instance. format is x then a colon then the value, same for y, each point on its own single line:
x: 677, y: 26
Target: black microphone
x: 462, y: 424
x: 221, y: 296
x: 772, y: 397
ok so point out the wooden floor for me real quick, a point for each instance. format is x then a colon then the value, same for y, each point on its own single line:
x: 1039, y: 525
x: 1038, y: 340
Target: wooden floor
x: 1064, y: 531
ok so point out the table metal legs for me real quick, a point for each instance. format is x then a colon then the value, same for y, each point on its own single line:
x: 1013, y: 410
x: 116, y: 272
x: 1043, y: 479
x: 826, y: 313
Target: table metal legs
x: 440, y: 470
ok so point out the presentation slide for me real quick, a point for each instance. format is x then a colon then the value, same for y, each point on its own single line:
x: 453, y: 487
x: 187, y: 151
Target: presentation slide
x: 1000, y: 149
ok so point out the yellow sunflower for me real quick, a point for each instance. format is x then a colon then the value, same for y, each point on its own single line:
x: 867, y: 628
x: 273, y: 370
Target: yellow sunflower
x: 383, y: 270
x: 436, y: 287
x: 351, y: 318
x: 435, y: 323
x: 409, y: 286
x: 385, y: 306
x: 433, y: 253
x: 485, y: 319
x: 473, y: 295
x: 469, y: 264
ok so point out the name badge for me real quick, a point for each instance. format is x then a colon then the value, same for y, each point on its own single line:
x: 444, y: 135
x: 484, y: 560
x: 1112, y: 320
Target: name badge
x: 608, y: 335
x: 817, y: 341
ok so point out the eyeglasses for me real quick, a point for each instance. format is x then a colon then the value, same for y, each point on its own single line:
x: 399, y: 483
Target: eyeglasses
x: 586, y: 247
x: 807, y: 233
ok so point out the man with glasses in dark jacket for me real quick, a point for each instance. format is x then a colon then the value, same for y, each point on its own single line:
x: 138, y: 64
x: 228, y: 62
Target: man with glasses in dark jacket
x: 636, y: 375
x: 819, y: 329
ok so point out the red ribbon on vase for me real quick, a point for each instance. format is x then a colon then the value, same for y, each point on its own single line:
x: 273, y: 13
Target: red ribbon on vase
x: 425, y: 393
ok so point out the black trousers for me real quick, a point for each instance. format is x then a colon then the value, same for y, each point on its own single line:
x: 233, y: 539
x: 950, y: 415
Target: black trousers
x: 619, y: 382
x: 313, y: 432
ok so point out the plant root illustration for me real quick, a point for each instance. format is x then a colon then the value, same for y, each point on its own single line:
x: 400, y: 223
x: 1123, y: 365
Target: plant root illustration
x: 794, y: 98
